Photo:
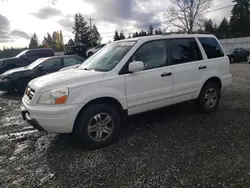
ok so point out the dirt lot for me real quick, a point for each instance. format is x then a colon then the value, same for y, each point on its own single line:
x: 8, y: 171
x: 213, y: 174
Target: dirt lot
x: 171, y: 147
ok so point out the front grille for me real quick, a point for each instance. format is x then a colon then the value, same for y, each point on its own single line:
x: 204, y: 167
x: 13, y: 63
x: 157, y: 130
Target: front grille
x: 30, y: 93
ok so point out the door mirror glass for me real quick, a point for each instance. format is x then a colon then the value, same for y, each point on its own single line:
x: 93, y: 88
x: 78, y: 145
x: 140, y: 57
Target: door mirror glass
x: 136, y: 66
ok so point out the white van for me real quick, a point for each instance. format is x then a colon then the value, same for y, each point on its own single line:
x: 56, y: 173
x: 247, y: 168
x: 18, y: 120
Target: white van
x: 127, y: 77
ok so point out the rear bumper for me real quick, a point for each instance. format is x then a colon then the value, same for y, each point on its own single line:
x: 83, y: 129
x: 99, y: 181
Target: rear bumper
x: 226, y: 80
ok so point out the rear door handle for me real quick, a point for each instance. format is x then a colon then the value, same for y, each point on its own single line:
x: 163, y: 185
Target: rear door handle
x: 166, y: 74
x: 202, y: 67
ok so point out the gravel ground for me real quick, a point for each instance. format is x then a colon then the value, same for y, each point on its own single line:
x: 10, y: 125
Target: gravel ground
x: 171, y: 147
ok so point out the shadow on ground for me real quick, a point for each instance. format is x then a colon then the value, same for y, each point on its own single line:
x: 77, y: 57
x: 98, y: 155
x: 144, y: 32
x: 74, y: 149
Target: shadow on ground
x: 11, y: 96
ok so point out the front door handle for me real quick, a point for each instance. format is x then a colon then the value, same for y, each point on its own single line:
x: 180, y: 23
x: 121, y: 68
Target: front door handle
x: 166, y: 74
x: 202, y: 67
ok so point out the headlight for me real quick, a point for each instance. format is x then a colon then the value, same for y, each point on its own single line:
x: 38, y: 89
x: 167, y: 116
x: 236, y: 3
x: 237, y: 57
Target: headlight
x: 56, y: 96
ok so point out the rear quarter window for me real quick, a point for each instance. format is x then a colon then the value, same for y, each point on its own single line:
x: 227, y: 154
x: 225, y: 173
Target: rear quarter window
x: 211, y: 47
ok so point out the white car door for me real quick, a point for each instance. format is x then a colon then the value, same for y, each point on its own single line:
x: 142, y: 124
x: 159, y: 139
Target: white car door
x: 153, y: 87
x: 186, y: 59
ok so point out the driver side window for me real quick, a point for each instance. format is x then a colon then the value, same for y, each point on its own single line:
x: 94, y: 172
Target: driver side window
x: 152, y: 54
x: 51, y: 63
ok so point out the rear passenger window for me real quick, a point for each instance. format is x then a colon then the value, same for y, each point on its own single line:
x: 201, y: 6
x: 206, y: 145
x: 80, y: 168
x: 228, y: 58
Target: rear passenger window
x: 211, y: 47
x: 184, y: 50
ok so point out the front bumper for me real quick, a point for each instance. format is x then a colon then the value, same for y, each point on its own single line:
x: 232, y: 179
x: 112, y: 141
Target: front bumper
x: 32, y: 122
x: 56, y: 119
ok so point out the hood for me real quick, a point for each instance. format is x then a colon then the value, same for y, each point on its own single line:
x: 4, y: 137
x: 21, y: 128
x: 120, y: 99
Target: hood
x: 20, y: 69
x: 69, y: 78
x: 8, y: 59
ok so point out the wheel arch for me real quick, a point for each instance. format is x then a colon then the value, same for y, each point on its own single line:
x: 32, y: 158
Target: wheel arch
x: 106, y: 101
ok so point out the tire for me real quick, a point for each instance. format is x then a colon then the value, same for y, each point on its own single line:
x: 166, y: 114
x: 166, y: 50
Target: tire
x: 22, y: 84
x: 82, y: 128
x: 203, y: 104
x: 90, y: 54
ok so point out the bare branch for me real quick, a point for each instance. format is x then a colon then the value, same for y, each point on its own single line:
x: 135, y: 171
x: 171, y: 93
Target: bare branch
x: 187, y: 14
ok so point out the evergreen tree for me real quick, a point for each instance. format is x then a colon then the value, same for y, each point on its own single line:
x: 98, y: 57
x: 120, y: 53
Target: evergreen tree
x: 33, y: 42
x: 71, y: 42
x: 223, y: 29
x: 122, y: 36
x: 159, y: 31
x: 209, y: 27
x: 156, y: 32
x: 81, y: 30
x: 240, y: 19
x: 150, y: 30
x: 116, y: 37
x: 96, y: 37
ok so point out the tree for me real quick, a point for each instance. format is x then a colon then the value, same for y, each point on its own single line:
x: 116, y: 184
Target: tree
x: 187, y: 15
x: 160, y: 31
x: 240, y: 19
x: 156, y: 32
x: 210, y: 27
x: 71, y: 42
x: 47, y: 41
x: 96, y: 37
x: 223, y: 29
x: 116, y: 36
x: 33, y: 42
x: 150, y: 30
x: 54, y: 38
x: 122, y: 36
x: 81, y: 30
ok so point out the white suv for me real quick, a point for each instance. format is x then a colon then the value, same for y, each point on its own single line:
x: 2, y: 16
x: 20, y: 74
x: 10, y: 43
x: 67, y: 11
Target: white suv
x: 125, y: 78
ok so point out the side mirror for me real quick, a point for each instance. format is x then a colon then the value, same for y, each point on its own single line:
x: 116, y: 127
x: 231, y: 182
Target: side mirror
x: 136, y: 66
x: 40, y: 67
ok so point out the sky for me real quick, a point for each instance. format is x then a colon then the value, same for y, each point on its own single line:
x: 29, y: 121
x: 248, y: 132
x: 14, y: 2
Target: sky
x: 19, y: 19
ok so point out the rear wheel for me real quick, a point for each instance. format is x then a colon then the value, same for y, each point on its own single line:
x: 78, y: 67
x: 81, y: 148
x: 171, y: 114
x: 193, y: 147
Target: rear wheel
x: 209, y: 97
x: 97, y: 126
x: 22, y: 84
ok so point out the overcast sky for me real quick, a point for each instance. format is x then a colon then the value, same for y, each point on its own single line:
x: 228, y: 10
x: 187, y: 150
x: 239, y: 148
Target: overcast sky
x: 19, y: 19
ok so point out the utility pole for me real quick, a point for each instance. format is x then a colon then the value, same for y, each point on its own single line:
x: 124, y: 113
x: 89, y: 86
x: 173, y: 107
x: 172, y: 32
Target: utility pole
x: 91, y: 29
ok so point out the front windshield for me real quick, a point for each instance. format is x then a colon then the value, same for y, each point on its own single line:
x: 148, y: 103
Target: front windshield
x: 107, y: 58
x: 35, y: 63
x: 22, y: 53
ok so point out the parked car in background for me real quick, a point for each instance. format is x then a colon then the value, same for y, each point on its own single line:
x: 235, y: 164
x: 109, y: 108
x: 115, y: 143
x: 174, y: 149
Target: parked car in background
x: 238, y: 55
x: 18, y: 78
x: 91, y: 51
x: 24, y: 58
x: 70, y: 67
x: 79, y: 49
x: 127, y: 77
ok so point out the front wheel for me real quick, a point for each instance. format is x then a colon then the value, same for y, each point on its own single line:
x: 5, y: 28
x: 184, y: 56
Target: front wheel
x: 209, y: 98
x: 97, y: 126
